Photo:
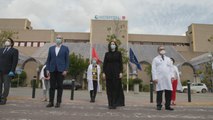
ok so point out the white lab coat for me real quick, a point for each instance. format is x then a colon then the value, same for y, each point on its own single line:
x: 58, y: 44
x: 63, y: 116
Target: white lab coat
x: 89, y: 77
x: 177, y: 76
x: 42, y: 78
x: 161, y: 71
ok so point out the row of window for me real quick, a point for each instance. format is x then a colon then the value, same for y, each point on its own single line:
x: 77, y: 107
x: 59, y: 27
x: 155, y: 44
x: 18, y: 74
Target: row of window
x: 160, y: 43
x: 29, y: 44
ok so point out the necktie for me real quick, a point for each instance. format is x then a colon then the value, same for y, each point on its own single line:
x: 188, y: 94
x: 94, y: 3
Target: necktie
x: 162, y: 57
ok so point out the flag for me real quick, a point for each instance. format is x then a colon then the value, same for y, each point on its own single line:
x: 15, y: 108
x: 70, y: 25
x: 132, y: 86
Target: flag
x: 95, y: 55
x: 133, y: 59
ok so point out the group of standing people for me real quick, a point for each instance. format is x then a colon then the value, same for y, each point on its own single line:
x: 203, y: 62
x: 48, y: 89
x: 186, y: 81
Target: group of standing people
x: 112, y: 73
x: 56, y: 68
x: 166, y: 77
x: 164, y: 74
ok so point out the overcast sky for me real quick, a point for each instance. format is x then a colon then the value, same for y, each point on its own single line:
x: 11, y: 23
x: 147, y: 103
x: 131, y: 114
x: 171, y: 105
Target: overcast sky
x: 169, y: 17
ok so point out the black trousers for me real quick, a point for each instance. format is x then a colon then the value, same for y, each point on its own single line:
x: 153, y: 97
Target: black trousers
x: 94, y: 91
x: 168, y: 94
x: 5, y: 81
x: 56, y: 82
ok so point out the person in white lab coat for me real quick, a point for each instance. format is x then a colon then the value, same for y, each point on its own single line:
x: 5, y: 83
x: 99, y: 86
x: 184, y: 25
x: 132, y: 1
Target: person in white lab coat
x: 93, y: 78
x: 176, y: 83
x: 162, y: 77
x: 45, y: 82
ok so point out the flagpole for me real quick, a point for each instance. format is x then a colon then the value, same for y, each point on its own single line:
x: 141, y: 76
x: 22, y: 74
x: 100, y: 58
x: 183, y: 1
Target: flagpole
x: 127, y: 67
x: 127, y: 86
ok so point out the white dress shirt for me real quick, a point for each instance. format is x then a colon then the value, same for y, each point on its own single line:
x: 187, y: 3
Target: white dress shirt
x: 57, y: 49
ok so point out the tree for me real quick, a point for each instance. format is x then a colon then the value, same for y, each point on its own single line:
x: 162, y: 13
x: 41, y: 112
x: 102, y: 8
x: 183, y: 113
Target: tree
x: 4, y: 35
x: 77, y: 65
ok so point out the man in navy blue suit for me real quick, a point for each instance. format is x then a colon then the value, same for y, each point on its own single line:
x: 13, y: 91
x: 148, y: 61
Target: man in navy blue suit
x: 8, y: 63
x: 57, y: 67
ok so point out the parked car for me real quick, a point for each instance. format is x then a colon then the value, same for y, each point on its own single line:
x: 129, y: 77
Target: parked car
x: 67, y: 84
x: 197, y: 87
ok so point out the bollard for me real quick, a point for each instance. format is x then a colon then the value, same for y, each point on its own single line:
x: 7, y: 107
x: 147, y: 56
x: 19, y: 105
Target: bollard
x: 189, y: 90
x: 33, y: 86
x: 151, y: 91
x: 72, y: 89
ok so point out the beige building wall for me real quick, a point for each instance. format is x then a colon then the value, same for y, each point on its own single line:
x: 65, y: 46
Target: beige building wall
x: 157, y: 38
x: 30, y: 69
x: 200, y: 33
x: 101, y: 28
x: 15, y: 24
x: 74, y: 36
x: 35, y: 35
x: 143, y: 75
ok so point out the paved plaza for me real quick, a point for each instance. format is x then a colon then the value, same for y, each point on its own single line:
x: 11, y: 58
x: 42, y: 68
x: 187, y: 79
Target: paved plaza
x: 21, y: 106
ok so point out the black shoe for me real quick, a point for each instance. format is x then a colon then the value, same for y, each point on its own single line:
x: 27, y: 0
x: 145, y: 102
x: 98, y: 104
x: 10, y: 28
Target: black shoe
x: 112, y: 107
x: 158, y: 108
x: 57, y: 105
x: 169, y: 108
x: 50, y: 105
x: 3, y: 101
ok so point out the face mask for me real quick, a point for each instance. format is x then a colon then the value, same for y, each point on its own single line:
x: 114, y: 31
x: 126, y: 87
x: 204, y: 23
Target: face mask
x: 162, y: 52
x: 58, y: 41
x: 93, y: 62
x: 112, y: 46
x: 7, y: 44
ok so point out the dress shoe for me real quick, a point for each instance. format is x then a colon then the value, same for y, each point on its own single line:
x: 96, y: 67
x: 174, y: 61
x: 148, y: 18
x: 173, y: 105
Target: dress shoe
x: 57, y: 105
x: 112, y: 107
x: 50, y: 105
x: 3, y: 101
x: 158, y: 108
x: 169, y: 108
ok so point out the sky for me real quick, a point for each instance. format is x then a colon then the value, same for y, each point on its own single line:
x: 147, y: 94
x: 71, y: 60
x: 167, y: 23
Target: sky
x: 167, y: 17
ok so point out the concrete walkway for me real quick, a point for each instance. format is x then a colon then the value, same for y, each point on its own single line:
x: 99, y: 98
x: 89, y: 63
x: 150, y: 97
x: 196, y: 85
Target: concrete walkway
x: 21, y: 106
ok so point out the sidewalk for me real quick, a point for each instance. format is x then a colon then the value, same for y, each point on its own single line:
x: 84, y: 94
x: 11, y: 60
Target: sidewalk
x: 21, y: 106
x: 131, y: 99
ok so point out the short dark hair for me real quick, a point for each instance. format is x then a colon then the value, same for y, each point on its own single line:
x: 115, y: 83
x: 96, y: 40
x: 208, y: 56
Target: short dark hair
x: 11, y: 41
x: 173, y: 60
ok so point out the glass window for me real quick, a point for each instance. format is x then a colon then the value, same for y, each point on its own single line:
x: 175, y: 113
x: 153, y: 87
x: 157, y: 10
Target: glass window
x: 22, y: 44
x: 35, y: 44
x: 16, y: 44
x: 41, y: 44
x: 29, y: 44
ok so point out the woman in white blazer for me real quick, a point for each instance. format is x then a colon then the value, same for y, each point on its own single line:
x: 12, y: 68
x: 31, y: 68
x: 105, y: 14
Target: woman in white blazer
x: 93, y: 78
x: 45, y: 82
x: 176, y: 83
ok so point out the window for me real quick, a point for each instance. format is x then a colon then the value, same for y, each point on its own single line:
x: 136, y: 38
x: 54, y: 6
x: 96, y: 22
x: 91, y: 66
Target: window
x: 22, y: 44
x: 29, y: 44
x: 41, y: 44
x: 16, y: 44
x: 35, y: 44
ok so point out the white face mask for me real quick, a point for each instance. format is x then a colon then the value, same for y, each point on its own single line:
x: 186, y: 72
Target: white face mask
x: 113, y: 46
x: 58, y: 41
x: 162, y: 52
x: 93, y: 62
x: 7, y: 44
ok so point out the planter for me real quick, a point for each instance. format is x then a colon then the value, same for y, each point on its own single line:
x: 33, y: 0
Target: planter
x: 136, y: 88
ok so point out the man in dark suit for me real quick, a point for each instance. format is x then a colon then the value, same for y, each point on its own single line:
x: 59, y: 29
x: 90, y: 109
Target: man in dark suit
x: 57, y: 67
x: 8, y: 63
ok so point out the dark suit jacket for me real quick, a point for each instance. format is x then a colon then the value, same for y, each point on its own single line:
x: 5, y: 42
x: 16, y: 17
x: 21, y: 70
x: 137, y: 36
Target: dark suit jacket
x: 59, y: 62
x: 8, y: 60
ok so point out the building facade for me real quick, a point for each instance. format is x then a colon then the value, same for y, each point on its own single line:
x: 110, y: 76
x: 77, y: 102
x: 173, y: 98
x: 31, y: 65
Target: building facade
x: 34, y: 43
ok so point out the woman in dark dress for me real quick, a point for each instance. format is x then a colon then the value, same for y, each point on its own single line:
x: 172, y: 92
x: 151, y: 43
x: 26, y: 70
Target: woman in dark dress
x: 113, y: 68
